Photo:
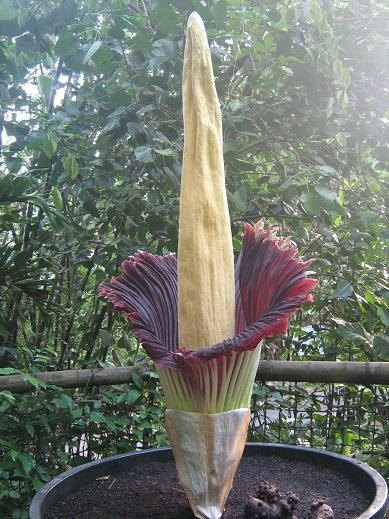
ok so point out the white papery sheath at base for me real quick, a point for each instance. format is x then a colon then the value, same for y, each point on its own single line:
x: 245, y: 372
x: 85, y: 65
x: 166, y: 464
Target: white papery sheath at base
x: 207, y: 450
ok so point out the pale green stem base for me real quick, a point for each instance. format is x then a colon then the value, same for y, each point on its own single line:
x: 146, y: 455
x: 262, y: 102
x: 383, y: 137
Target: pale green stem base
x: 213, y: 387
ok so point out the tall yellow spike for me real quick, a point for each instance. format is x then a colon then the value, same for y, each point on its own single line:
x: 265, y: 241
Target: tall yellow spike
x: 206, y: 293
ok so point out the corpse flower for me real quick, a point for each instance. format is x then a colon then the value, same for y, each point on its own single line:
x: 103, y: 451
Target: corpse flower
x: 200, y: 318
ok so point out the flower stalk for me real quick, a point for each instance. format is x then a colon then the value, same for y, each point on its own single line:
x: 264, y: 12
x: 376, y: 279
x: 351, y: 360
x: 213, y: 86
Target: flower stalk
x: 199, y: 318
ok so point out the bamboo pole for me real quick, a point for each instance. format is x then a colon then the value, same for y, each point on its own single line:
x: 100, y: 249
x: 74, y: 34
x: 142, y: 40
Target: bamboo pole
x: 72, y: 378
x: 364, y: 373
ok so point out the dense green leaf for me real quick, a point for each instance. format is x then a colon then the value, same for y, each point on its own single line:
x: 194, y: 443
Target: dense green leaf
x: 107, y: 338
x: 70, y: 166
x: 138, y: 380
x: 132, y: 396
x: 66, y: 44
x: 166, y: 152
x: 381, y: 346
x: 353, y: 332
x: 312, y: 203
x: 164, y: 18
x: 343, y: 289
x: 27, y: 462
x: 49, y: 144
x: 57, y: 198
x: 92, y: 51
x: 45, y: 84
x: 326, y: 193
x: 383, y: 315
x: 143, y: 154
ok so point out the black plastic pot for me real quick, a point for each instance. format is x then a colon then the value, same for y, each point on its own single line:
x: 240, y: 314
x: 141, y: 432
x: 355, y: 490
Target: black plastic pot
x: 363, y: 475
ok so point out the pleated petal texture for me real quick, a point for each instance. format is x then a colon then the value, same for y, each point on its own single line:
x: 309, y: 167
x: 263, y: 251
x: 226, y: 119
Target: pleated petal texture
x: 146, y: 292
x: 271, y: 285
x: 270, y: 272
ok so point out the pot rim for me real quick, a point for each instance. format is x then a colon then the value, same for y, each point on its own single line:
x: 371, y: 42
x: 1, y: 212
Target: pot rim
x: 362, y: 471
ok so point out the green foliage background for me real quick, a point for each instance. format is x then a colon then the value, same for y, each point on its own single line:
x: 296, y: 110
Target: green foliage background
x: 91, y: 131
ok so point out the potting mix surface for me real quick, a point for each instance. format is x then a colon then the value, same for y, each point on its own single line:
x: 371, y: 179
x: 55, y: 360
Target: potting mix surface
x: 152, y: 491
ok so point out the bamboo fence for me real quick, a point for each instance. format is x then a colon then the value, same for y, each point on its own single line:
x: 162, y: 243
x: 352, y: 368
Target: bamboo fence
x: 363, y: 373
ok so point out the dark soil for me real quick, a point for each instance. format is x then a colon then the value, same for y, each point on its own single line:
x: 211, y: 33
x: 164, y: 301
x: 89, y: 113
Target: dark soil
x: 152, y: 491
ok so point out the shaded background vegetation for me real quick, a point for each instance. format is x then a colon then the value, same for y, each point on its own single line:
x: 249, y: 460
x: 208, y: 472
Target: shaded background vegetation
x: 91, y: 134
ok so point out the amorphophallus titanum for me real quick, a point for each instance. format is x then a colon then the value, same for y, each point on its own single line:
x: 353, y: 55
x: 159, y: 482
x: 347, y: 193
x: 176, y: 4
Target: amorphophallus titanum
x: 200, y: 318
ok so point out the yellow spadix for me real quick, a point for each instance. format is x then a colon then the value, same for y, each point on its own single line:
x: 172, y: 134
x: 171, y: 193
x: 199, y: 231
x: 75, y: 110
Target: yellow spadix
x: 206, y: 290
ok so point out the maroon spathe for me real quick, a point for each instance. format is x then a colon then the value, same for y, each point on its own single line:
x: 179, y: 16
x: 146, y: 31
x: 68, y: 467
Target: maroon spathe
x: 271, y: 285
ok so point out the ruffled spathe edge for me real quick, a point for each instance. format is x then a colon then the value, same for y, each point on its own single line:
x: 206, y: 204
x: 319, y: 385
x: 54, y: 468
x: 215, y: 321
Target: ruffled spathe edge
x: 271, y: 285
x: 146, y: 292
